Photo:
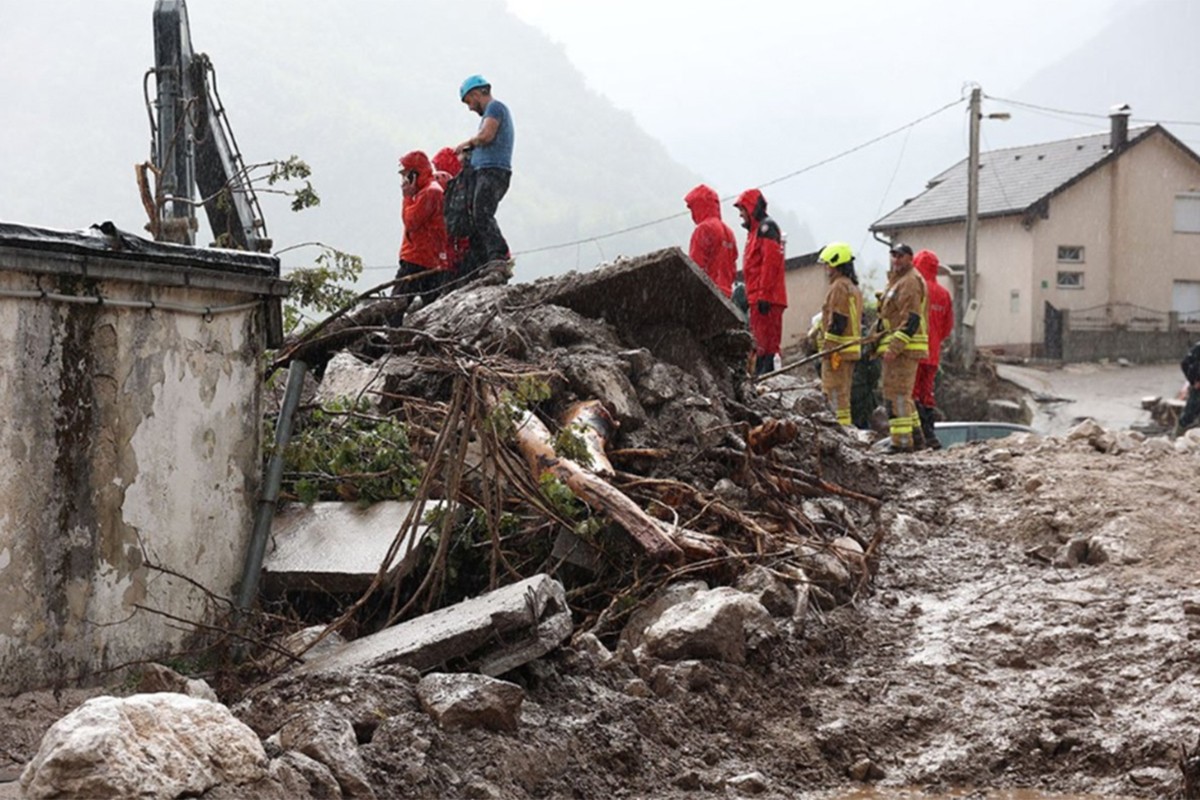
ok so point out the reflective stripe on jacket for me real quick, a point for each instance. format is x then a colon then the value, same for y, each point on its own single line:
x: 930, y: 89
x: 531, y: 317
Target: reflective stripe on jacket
x: 905, y: 296
x: 843, y: 298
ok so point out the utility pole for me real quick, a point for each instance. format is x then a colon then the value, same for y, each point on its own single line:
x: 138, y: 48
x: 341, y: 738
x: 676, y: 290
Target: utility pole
x: 970, y: 307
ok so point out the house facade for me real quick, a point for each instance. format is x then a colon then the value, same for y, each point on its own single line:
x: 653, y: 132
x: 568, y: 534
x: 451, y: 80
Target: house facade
x: 1105, y: 227
x: 130, y: 383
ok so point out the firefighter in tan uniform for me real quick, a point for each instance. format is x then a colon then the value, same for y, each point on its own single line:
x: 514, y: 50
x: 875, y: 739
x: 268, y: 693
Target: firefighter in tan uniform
x: 841, y: 318
x: 903, y: 323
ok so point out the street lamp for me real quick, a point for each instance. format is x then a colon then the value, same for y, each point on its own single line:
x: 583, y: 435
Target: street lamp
x: 971, y: 306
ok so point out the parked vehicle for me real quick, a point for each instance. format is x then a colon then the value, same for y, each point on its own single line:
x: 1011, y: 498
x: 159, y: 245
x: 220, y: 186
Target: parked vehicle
x: 957, y: 434
x: 953, y: 433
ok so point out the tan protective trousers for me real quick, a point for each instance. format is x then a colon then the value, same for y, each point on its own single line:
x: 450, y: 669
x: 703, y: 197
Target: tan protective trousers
x: 899, y: 375
x: 836, y: 385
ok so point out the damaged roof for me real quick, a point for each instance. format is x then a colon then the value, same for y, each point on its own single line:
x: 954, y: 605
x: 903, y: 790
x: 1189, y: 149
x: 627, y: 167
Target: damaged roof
x: 1014, y: 180
x: 104, y: 248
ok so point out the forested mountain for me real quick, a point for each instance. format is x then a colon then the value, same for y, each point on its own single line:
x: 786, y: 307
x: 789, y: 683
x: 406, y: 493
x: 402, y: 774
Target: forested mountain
x: 348, y: 87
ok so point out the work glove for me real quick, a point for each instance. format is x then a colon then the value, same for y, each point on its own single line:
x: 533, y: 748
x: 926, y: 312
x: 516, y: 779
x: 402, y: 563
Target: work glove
x: 764, y: 307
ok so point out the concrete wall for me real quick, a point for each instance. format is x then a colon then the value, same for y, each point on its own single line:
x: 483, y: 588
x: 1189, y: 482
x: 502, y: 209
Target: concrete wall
x: 130, y: 438
x: 806, y: 293
x: 1149, y: 255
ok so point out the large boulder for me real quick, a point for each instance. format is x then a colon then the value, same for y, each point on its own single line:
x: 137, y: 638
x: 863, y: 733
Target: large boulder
x: 164, y: 745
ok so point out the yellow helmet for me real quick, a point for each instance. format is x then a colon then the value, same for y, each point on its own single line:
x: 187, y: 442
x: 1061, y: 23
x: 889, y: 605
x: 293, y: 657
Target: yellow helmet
x: 836, y: 254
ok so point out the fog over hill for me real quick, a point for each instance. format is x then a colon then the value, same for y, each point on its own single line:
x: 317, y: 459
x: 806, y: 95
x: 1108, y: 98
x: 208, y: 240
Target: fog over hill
x: 351, y: 86
x: 348, y: 87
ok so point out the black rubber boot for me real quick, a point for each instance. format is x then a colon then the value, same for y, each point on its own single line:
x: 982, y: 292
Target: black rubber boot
x: 926, y: 415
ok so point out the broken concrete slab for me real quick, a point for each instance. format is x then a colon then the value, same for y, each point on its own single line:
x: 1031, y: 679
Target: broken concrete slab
x: 526, y: 619
x: 338, y: 547
x: 660, y: 287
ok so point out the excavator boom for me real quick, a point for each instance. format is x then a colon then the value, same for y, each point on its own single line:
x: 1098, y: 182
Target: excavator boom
x: 193, y: 145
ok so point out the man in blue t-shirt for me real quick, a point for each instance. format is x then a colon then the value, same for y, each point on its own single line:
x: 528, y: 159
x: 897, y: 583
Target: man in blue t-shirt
x: 491, y: 160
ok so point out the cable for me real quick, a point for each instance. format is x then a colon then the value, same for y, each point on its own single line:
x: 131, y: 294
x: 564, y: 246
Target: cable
x: 149, y: 305
x: 1086, y: 113
x: 771, y: 182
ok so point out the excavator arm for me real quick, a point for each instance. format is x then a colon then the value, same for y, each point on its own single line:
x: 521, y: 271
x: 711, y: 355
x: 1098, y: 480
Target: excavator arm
x: 193, y: 146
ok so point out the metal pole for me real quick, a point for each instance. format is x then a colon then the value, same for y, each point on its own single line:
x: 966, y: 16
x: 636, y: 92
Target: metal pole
x: 970, y: 278
x: 270, y: 491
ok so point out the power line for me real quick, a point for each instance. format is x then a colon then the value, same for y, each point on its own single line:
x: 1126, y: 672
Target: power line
x: 1090, y: 114
x: 771, y: 182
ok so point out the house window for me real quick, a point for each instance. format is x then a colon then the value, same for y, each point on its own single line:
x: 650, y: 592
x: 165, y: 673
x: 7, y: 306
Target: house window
x: 1187, y: 213
x: 1070, y: 253
x: 1070, y: 280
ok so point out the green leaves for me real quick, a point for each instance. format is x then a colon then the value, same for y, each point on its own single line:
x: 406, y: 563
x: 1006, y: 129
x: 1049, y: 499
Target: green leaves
x: 323, y: 287
x: 340, y: 453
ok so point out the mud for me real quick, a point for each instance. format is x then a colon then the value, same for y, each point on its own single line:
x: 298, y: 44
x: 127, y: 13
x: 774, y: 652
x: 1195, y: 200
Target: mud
x: 1032, y: 630
x: 976, y: 662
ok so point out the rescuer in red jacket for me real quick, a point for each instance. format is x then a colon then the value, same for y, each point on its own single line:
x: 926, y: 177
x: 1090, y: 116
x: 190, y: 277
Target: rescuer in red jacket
x: 941, y: 322
x: 763, y: 268
x: 423, y: 249
x: 447, y: 166
x: 713, y: 247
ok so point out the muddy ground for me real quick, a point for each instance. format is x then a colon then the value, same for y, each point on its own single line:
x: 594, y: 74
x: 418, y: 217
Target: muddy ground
x: 988, y: 653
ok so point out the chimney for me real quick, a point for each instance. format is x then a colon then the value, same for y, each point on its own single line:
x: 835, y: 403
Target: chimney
x: 1119, y: 134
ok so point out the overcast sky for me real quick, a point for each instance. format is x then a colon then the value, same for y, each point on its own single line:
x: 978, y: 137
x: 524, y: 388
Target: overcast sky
x: 740, y: 94
x: 746, y: 93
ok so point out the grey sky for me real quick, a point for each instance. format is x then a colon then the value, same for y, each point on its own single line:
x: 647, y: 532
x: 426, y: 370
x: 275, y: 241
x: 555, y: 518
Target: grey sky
x: 745, y: 93
x: 737, y: 96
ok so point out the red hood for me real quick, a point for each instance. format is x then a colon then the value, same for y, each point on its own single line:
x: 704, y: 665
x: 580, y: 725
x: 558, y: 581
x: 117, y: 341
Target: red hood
x: 446, y: 161
x: 752, y: 200
x: 417, y: 160
x: 926, y: 263
x: 704, y: 203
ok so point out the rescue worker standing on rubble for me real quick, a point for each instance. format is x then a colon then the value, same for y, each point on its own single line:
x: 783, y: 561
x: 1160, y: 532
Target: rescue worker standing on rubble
x: 940, y: 322
x: 762, y: 265
x: 713, y: 247
x: 1191, y: 370
x: 840, y: 326
x: 423, y: 249
x: 905, y: 341
x: 491, y: 159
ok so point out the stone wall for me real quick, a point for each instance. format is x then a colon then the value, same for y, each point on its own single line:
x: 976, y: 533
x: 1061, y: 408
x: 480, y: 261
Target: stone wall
x: 129, y: 432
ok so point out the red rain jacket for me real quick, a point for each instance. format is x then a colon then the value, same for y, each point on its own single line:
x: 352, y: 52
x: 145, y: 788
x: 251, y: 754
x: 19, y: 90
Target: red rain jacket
x: 713, y: 247
x: 763, y: 261
x: 424, y: 227
x: 941, y: 308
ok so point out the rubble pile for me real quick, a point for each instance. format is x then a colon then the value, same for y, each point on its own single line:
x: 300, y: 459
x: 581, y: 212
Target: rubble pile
x: 600, y: 428
x: 607, y: 564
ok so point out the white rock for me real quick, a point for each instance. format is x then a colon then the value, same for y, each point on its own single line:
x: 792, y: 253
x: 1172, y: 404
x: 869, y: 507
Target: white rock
x: 161, y: 745
x: 722, y: 624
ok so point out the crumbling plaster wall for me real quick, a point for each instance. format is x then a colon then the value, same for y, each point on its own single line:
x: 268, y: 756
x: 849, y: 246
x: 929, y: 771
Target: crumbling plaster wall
x: 130, y: 440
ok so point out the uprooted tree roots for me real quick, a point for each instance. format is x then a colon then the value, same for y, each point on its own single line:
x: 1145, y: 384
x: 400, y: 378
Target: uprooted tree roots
x: 511, y: 480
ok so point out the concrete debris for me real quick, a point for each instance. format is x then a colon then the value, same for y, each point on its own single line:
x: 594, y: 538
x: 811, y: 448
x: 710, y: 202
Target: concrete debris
x: 750, y: 783
x: 158, y: 678
x: 778, y: 596
x: 629, y: 297
x: 466, y: 700
x: 530, y: 617
x: 339, y: 547
x: 648, y: 613
x: 721, y: 623
x: 348, y: 378
x: 323, y: 733
x: 164, y: 745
